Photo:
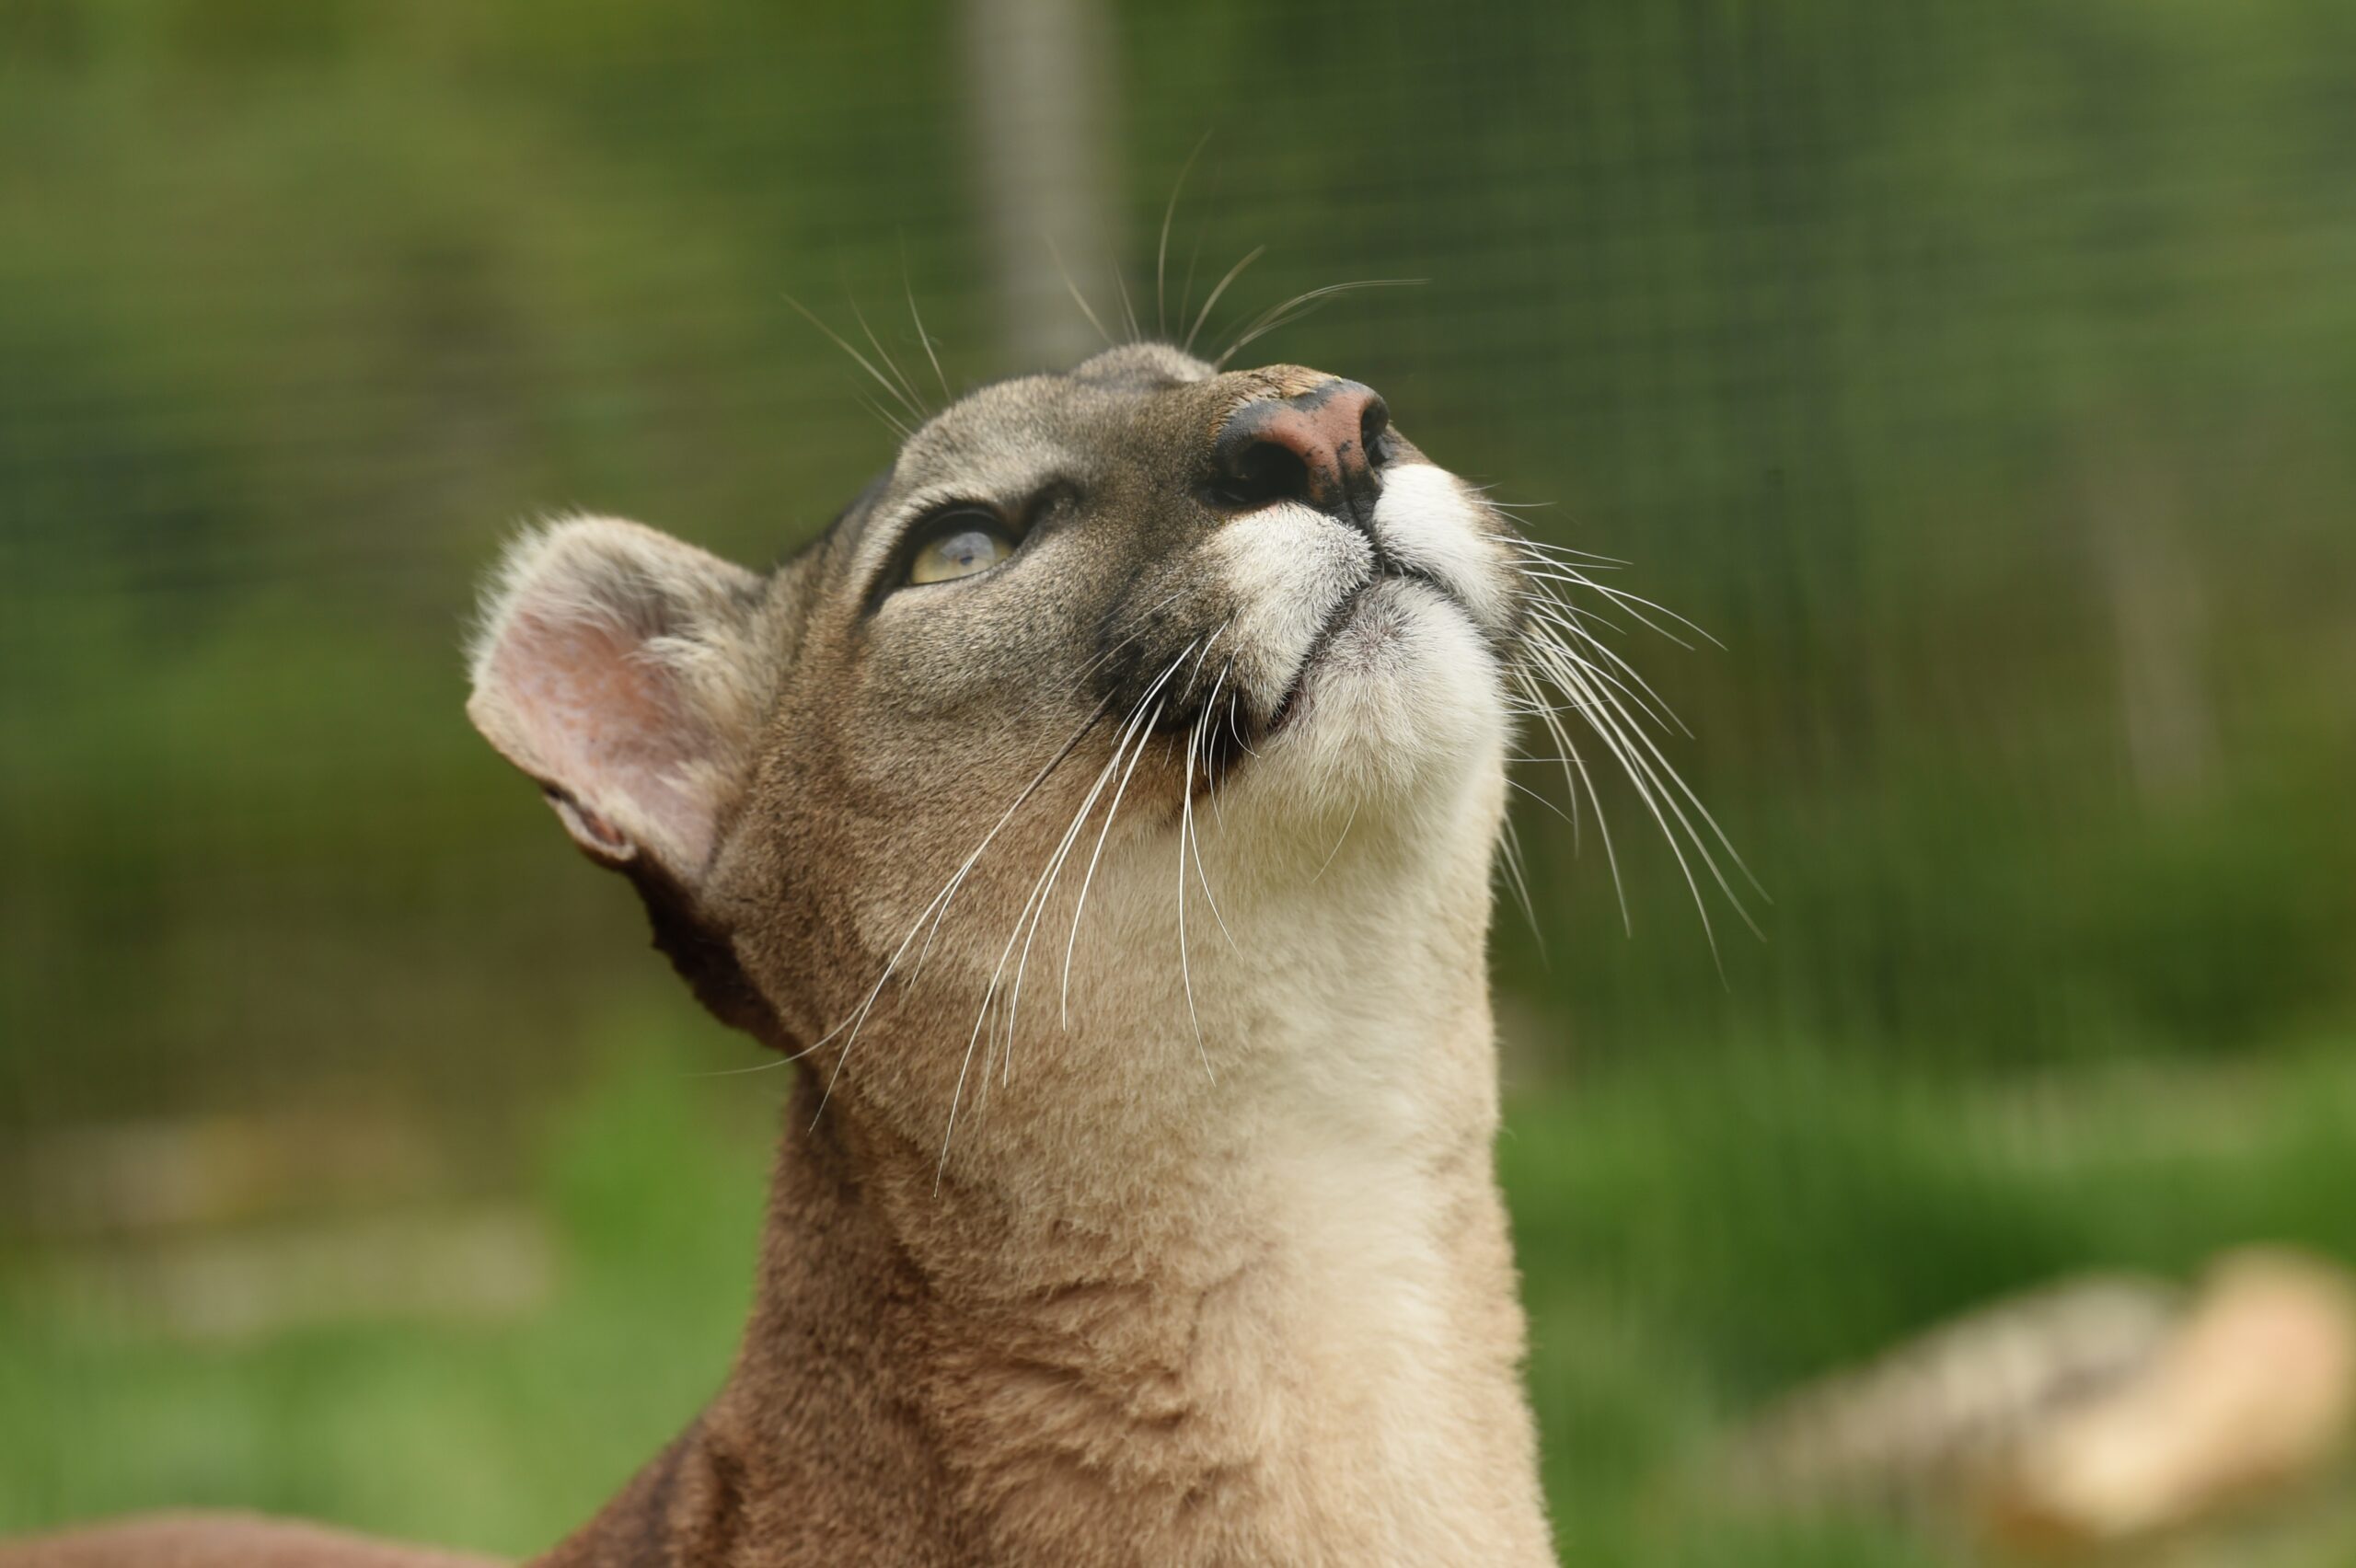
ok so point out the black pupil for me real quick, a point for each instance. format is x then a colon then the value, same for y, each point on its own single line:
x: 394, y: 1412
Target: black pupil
x: 969, y: 548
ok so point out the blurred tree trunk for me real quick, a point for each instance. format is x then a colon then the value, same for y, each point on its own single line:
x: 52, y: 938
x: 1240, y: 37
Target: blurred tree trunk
x: 1039, y: 83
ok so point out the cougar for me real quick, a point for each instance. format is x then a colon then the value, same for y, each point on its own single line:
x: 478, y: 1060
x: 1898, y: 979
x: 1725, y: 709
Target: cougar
x: 1101, y: 815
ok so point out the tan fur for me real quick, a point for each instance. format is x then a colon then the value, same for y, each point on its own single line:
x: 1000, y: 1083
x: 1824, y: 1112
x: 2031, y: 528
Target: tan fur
x: 1096, y: 1238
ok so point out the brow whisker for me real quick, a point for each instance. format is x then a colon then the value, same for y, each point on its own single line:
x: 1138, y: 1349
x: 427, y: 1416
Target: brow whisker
x: 908, y: 396
x: 1128, y: 313
x: 1301, y: 304
x: 916, y: 316
x: 1233, y: 273
x: 1078, y: 298
x: 862, y: 360
x: 1161, y: 250
x: 899, y: 431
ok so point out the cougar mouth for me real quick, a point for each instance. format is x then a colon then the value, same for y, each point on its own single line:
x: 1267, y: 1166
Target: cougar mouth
x: 1234, y: 734
x: 1388, y: 569
x: 1319, y: 647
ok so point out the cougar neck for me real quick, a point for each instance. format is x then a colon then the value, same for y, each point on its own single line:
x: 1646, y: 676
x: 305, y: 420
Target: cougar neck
x: 1245, y: 1296
x: 1299, y: 1351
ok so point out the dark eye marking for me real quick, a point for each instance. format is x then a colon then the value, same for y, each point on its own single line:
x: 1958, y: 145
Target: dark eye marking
x: 961, y: 541
x: 966, y: 539
x: 955, y: 539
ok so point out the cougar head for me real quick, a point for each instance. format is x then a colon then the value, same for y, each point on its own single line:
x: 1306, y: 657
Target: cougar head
x: 1142, y: 728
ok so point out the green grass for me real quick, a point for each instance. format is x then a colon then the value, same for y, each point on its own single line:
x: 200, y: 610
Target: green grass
x: 1693, y: 1236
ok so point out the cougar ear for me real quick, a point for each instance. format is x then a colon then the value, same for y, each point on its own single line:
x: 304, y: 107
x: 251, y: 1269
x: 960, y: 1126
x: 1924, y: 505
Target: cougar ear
x: 622, y: 669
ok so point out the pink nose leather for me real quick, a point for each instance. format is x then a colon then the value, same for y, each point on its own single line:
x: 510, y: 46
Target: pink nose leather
x: 1322, y: 447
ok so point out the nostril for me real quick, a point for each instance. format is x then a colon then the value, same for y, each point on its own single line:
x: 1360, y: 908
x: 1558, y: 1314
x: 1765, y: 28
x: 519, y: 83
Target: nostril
x: 1264, y: 473
x: 1326, y: 447
x: 1373, y: 424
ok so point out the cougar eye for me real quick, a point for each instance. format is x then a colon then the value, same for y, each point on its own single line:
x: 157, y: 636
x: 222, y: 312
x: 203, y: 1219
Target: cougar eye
x: 958, y: 544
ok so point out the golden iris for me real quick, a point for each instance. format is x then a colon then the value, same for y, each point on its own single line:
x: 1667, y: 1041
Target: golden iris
x: 966, y: 546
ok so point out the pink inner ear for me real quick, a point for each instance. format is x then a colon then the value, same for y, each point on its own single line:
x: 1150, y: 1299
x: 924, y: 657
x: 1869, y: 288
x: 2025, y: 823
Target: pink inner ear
x: 606, y: 727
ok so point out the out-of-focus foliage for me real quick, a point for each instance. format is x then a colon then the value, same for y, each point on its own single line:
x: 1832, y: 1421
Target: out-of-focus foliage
x: 1689, y: 1243
x: 1979, y: 374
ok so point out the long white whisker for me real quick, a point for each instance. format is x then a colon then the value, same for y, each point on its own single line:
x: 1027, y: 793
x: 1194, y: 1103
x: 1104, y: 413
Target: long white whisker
x: 1665, y: 770
x: 1546, y: 548
x: 1142, y: 616
x: 1218, y: 814
x: 1621, y: 596
x: 938, y: 909
x: 1347, y: 823
x: 1562, y: 573
x: 1576, y: 774
x: 990, y: 992
x: 1234, y: 703
x: 1135, y: 728
x: 1555, y: 648
x: 950, y: 893
x: 1648, y: 700
x: 1635, y: 615
x: 1079, y: 906
x: 1652, y: 701
x: 1088, y: 878
x: 1516, y: 875
x: 1043, y: 892
x: 1185, y: 832
x: 1629, y: 746
x: 1537, y: 574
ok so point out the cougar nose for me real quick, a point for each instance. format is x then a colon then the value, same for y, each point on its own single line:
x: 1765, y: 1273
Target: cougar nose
x: 1324, y: 447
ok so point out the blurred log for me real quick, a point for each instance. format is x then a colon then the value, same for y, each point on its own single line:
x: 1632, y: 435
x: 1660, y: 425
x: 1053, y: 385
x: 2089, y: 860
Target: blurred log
x: 1928, y: 1418
x: 2254, y: 1396
x: 2096, y: 1415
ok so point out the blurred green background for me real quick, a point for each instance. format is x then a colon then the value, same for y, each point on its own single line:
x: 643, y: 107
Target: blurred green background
x: 1980, y: 374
